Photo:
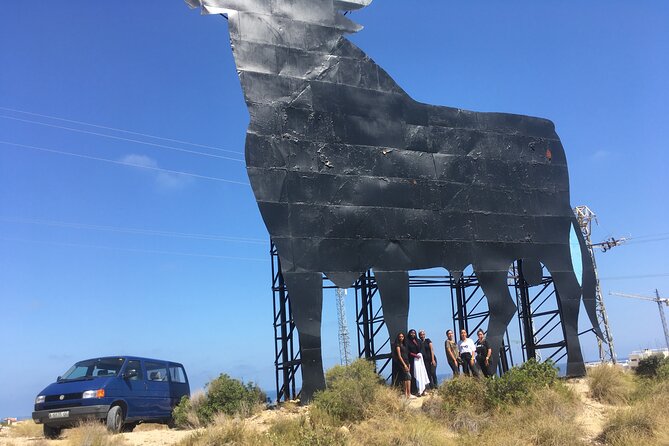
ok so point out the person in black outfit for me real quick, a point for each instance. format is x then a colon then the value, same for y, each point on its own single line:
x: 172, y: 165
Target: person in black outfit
x: 401, y: 374
x: 427, y: 349
x: 483, y: 352
x: 414, y: 350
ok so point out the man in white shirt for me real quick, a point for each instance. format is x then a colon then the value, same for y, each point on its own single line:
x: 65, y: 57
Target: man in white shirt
x: 467, y: 350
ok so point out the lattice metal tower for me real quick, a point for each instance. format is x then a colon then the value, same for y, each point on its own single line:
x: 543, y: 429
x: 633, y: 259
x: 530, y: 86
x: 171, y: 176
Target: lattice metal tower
x: 607, y: 353
x: 344, y: 340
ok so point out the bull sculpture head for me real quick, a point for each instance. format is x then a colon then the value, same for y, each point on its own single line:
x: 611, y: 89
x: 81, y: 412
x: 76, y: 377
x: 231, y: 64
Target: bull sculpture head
x: 326, y: 13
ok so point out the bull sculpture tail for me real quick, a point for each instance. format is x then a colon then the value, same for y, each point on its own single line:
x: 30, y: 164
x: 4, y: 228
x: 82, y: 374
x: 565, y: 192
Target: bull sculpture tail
x: 588, y: 281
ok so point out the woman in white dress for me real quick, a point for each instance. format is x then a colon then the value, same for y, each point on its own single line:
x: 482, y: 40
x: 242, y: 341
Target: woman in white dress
x: 418, y: 371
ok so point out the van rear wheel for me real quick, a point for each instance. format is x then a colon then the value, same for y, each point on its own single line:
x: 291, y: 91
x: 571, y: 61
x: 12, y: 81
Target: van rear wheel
x: 115, y: 419
x: 51, y: 432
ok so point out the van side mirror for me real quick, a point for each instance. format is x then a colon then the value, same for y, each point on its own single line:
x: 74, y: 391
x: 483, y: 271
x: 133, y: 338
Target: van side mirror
x: 59, y: 378
x: 132, y: 373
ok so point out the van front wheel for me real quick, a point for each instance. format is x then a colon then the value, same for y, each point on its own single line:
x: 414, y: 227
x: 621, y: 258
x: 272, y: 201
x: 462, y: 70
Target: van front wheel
x: 115, y: 419
x: 51, y: 432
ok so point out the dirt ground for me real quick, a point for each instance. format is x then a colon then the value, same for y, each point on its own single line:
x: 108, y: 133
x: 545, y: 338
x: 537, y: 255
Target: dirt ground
x: 594, y: 413
x: 591, y: 418
x: 148, y: 435
x: 143, y: 435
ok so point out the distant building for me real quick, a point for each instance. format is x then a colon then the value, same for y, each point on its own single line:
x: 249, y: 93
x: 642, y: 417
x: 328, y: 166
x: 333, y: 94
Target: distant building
x: 637, y: 356
x: 9, y: 421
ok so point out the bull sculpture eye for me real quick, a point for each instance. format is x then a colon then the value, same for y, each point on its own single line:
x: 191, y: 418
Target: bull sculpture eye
x: 351, y: 174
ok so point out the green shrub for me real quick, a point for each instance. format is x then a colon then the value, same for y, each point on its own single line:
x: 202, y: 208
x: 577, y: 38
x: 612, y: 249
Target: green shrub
x: 518, y: 385
x: 653, y: 366
x: 463, y: 392
x: 185, y: 414
x: 230, y: 396
x: 351, y: 391
x: 224, y: 395
x: 663, y: 372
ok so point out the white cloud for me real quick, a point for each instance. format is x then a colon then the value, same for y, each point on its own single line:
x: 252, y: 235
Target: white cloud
x: 164, y: 180
x: 601, y: 155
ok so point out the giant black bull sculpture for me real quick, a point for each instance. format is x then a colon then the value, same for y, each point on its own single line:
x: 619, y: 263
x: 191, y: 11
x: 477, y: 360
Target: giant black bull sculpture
x: 351, y: 173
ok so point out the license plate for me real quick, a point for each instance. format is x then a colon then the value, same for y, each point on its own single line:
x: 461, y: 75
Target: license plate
x: 63, y: 414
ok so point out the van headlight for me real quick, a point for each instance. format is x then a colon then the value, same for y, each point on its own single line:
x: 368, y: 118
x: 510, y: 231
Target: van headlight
x: 40, y: 399
x: 99, y: 393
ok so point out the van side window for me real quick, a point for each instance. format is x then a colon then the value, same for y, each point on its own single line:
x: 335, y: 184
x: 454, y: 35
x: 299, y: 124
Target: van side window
x: 177, y: 374
x: 156, y: 371
x: 137, y: 366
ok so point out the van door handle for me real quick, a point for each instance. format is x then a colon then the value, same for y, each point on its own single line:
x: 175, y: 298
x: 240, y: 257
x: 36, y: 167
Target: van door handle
x: 146, y: 386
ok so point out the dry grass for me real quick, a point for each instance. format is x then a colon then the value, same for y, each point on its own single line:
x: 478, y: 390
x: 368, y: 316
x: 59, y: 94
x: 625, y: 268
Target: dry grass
x: 226, y: 431
x: 26, y: 429
x: 644, y: 422
x: 548, y: 421
x: 401, y: 430
x: 93, y: 434
x: 610, y: 384
x: 302, y: 431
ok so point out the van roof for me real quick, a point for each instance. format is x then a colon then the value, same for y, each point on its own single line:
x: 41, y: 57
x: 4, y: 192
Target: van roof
x: 140, y: 358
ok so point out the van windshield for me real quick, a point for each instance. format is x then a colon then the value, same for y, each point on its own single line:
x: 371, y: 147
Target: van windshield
x: 92, y: 368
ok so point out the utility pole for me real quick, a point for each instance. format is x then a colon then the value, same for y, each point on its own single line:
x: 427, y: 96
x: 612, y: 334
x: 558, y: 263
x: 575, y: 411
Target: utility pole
x: 585, y: 217
x: 344, y: 340
x: 660, y: 301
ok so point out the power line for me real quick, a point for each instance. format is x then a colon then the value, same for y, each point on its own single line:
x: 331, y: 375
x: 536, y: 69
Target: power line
x: 144, y: 251
x: 644, y: 276
x: 138, y: 231
x: 652, y: 240
x: 192, y: 152
x: 123, y: 163
x: 116, y: 129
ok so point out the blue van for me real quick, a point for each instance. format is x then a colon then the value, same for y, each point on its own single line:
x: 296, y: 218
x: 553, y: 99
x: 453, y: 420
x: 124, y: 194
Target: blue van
x: 120, y: 390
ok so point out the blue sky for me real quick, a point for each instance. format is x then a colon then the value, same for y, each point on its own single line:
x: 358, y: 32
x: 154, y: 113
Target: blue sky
x: 101, y: 258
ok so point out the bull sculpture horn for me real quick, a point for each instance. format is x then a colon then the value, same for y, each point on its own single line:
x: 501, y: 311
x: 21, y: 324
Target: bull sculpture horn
x: 211, y: 6
x: 351, y: 5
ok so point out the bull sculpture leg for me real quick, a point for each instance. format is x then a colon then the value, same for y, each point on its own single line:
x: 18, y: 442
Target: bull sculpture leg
x: 394, y: 291
x: 569, y: 293
x: 501, y: 309
x: 305, y: 293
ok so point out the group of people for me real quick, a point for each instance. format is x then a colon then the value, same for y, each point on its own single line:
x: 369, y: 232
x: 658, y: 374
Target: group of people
x: 415, y: 363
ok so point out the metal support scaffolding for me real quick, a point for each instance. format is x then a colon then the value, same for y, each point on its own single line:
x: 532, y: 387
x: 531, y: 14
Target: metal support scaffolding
x: 286, y: 345
x: 470, y: 312
x: 538, y: 306
x: 539, y: 320
x: 371, y: 328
